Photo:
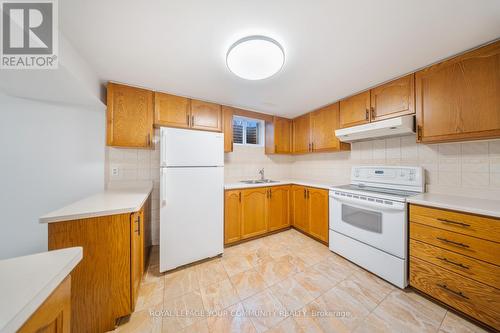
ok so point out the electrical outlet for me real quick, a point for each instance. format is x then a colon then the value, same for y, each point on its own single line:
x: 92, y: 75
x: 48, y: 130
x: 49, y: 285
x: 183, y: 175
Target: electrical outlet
x: 115, y: 171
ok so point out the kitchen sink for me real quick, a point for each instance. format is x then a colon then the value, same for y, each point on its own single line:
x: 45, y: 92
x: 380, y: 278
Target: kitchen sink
x: 259, y: 181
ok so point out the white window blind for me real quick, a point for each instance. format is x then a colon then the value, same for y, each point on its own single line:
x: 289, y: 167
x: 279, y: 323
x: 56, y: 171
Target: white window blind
x: 247, y: 131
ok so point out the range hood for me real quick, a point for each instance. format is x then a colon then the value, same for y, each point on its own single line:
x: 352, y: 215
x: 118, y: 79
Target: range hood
x: 378, y: 129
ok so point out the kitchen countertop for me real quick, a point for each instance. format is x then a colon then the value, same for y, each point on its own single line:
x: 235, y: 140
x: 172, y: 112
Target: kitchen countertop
x: 463, y: 204
x: 310, y: 183
x: 118, y: 199
x: 26, y: 282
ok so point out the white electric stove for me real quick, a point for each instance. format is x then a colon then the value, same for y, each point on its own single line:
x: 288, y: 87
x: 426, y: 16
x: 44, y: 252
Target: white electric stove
x: 368, y: 219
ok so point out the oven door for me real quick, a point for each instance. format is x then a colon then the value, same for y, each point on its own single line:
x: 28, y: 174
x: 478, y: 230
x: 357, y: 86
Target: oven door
x: 381, y: 225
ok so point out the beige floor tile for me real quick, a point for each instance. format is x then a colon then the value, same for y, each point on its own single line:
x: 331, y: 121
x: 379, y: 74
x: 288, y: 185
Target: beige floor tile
x: 258, y: 257
x: 219, y: 295
x: 333, y: 271
x: 299, y: 264
x: 236, y: 264
x: 289, y: 325
x: 248, y: 283
x: 265, y: 310
x: 231, y: 320
x: 182, y: 311
x: 278, y: 251
x: 453, y: 323
x: 307, y: 322
x: 198, y: 327
x: 150, y: 295
x: 210, y: 272
x: 405, y: 311
x: 275, y: 271
x: 181, y: 282
x: 152, y: 274
x: 315, y: 282
x: 141, y: 322
x: 319, y: 319
x: 291, y: 294
x: 312, y: 255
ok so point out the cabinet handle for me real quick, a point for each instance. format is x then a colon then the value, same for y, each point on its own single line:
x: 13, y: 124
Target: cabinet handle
x: 372, y: 109
x: 149, y: 140
x: 138, y: 221
x: 454, y: 222
x: 239, y: 196
x: 419, y: 133
x: 312, y: 146
x: 367, y: 114
x: 305, y: 194
x: 187, y: 120
x: 452, y: 242
x: 308, y: 194
x: 192, y: 120
x: 275, y: 148
x: 446, y: 260
x: 458, y: 293
x: 270, y: 194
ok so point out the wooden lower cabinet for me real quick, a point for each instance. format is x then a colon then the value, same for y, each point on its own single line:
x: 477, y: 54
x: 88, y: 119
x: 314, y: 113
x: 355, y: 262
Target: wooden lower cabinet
x: 232, y: 216
x: 459, y: 268
x: 310, y: 211
x: 279, y: 207
x: 254, y: 212
x: 300, y: 217
x: 54, y: 315
x: 106, y: 282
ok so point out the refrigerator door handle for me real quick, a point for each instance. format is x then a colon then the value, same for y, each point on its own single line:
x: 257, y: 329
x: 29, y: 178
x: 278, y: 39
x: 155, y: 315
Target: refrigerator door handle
x: 163, y: 188
x: 163, y: 149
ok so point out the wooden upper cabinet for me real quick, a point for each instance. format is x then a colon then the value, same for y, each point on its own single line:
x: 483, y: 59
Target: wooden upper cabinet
x: 253, y: 212
x: 395, y: 98
x: 129, y: 116
x: 302, y: 134
x: 279, y: 136
x: 355, y: 110
x: 206, y: 116
x: 227, y: 114
x: 459, y: 99
x: 318, y: 213
x: 232, y: 216
x: 300, y: 214
x: 171, y: 110
x: 279, y: 207
x: 324, y: 122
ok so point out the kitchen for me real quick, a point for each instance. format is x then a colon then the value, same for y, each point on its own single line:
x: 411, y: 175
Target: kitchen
x: 231, y: 191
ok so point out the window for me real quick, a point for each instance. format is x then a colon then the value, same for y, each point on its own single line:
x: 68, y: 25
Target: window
x: 247, y: 131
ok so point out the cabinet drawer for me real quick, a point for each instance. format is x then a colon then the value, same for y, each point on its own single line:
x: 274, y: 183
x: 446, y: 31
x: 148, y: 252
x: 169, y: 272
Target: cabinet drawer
x: 468, y: 224
x: 470, y: 246
x: 465, y: 266
x: 473, y: 298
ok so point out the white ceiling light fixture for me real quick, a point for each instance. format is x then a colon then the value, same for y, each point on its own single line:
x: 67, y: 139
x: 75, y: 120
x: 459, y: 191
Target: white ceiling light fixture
x: 255, y: 57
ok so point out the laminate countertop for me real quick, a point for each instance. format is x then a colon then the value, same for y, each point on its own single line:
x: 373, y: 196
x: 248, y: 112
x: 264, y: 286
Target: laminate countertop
x: 463, y: 204
x: 115, y: 200
x: 310, y: 183
x: 26, y: 282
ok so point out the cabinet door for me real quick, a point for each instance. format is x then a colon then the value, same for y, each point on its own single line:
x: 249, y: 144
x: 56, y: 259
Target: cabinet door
x: 253, y: 212
x: 300, y: 212
x: 129, y: 116
x: 355, y: 110
x: 206, y: 116
x: 227, y: 113
x: 395, y: 98
x: 232, y: 216
x: 279, y: 209
x: 282, y: 135
x: 136, y: 256
x: 459, y: 99
x: 318, y: 213
x: 301, y: 134
x: 324, y: 122
x: 171, y: 110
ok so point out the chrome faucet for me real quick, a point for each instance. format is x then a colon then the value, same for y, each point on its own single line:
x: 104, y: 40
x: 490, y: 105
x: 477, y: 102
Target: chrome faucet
x: 261, y: 172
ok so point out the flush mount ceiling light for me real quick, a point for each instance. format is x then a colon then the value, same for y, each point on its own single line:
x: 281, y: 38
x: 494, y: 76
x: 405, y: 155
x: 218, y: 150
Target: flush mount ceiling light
x: 255, y: 57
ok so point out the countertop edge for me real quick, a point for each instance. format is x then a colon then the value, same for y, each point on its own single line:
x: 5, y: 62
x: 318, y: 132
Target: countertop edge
x: 18, y: 321
x: 236, y: 185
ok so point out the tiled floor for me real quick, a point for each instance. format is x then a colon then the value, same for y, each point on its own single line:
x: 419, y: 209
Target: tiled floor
x: 285, y: 282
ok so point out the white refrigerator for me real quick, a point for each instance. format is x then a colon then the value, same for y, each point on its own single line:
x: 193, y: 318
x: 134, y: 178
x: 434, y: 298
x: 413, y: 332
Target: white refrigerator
x: 191, y: 196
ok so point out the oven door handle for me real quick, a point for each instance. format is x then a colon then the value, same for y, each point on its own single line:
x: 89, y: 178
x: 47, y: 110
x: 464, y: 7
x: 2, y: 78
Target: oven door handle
x: 396, y: 206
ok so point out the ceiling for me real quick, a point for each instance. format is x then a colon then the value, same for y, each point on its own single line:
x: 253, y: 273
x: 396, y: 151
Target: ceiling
x: 333, y: 48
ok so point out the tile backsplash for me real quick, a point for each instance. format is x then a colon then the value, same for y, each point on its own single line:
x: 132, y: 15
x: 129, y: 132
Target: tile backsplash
x: 467, y: 168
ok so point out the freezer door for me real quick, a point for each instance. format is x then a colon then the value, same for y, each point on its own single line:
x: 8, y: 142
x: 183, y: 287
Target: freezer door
x: 191, y: 215
x: 181, y: 147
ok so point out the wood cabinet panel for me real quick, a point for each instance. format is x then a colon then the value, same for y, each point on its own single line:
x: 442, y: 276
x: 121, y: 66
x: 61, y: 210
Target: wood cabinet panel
x: 232, y: 216
x: 171, y: 110
x: 253, y: 212
x: 302, y: 134
x: 355, y: 110
x: 283, y: 135
x: 471, y: 268
x: 206, y: 116
x: 227, y: 113
x: 300, y: 212
x: 136, y: 253
x: 279, y: 207
x: 473, y: 298
x: 324, y: 122
x: 464, y: 223
x: 393, y: 99
x: 129, y: 116
x: 469, y: 246
x: 54, y: 315
x: 318, y: 213
x: 459, y: 99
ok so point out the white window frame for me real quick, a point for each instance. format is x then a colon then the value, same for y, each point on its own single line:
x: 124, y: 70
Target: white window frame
x: 262, y: 128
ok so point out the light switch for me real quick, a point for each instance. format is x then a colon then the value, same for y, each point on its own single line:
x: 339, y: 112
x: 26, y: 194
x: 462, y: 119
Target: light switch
x: 115, y: 171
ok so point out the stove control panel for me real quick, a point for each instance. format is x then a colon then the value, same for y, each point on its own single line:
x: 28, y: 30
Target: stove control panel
x: 404, y: 177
